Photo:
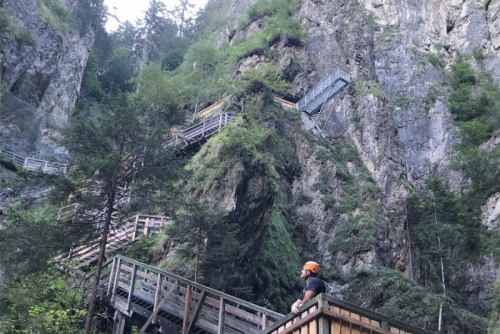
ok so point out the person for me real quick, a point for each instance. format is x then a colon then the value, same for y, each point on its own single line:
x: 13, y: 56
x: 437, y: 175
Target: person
x: 314, y: 286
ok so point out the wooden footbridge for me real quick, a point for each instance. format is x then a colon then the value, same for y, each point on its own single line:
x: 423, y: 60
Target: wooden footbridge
x: 33, y: 164
x: 171, y: 304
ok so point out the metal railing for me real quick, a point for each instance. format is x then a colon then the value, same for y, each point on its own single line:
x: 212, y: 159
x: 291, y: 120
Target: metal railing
x: 204, y: 129
x: 138, y: 287
x: 324, y: 90
x: 35, y: 164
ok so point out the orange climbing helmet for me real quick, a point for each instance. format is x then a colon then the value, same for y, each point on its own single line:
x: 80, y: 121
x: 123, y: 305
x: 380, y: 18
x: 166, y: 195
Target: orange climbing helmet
x: 311, y: 266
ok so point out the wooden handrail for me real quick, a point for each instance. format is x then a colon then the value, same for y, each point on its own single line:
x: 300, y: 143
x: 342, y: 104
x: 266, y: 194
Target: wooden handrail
x: 327, y: 314
x: 203, y: 129
x: 133, y: 281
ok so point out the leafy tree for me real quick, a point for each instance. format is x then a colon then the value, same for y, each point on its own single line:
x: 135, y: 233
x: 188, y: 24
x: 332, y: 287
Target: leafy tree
x: 129, y: 158
x: 41, y: 302
x: 29, y: 238
x: 91, y: 86
x: 182, y: 14
x: 118, y: 71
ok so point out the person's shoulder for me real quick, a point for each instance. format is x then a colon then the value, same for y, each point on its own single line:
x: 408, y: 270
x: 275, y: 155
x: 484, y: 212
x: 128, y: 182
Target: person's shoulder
x: 316, y: 280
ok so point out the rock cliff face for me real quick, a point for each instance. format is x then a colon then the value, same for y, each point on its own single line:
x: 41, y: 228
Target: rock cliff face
x: 397, y: 53
x: 47, y: 76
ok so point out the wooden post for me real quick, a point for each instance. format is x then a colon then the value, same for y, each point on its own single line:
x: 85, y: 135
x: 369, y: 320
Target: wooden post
x: 221, y: 316
x: 197, y: 311
x: 135, y: 227
x: 131, y: 287
x: 265, y: 321
x: 323, y: 326
x: 116, y: 280
x: 159, y: 282
x: 112, y: 276
x: 186, y: 309
x: 157, y: 308
x: 146, y: 227
x: 119, y: 323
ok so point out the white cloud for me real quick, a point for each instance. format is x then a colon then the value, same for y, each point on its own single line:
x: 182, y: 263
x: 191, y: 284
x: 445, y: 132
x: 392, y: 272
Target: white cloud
x: 131, y: 10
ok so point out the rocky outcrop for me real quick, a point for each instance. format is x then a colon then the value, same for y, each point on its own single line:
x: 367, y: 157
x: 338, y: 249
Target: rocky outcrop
x: 47, y: 75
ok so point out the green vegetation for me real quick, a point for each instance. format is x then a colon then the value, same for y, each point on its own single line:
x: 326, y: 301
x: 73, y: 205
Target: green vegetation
x: 390, y: 292
x: 475, y: 103
x: 10, y: 26
x: 55, y: 13
x: 41, y: 303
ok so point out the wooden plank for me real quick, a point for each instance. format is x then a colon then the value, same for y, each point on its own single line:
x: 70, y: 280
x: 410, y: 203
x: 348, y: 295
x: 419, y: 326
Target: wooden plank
x: 222, y: 308
x: 345, y: 319
x: 157, y: 309
x: 335, y: 326
x: 197, y: 311
x: 186, y: 309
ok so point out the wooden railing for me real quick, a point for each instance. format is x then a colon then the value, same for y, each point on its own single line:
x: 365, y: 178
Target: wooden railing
x: 204, y: 129
x: 35, y: 164
x: 140, y: 225
x: 157, y: 294
x: 210, y: 110
x: 285, y: 103
x: 328, y: 315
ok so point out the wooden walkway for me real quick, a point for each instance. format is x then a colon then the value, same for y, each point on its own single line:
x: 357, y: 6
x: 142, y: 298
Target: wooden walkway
x: 179, y: 304
x: 206, y: 128
x: 35, y: 164
x: 83, y: 256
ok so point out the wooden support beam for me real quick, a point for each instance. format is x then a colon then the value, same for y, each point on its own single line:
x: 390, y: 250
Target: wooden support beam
x: 196, y: 311
x: 186, y: 309
x: 157, y: 308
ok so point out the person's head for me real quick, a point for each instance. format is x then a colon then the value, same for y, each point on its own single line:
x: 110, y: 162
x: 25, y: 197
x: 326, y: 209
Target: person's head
x: 309, y: 269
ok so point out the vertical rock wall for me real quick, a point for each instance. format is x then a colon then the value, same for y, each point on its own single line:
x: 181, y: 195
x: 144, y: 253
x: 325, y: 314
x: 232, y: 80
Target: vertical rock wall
x: 47, y: 76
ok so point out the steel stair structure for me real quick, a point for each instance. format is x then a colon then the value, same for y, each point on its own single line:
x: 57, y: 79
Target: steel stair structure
x: 312, y: 104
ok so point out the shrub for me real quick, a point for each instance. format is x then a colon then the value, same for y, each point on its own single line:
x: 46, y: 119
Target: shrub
x: 55, y: 13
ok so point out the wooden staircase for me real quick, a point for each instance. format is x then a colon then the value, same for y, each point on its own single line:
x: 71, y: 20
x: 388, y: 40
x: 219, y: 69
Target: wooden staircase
x: 202, y: 130
x: 179, y: 305
x: 84, y: 256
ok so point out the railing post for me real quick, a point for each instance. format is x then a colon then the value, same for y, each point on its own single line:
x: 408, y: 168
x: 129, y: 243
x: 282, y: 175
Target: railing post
x: 220, y: 122
x: 265, y: 321
x: 185, y: 321
x: 222, y: 313
x: 116, y: 280
x: 131, y: 287
x: 111, y: 277
x: 45, y: 167
x: 146, y: 227
x: 25, y: 163
x: 135, y: 227
x: 323, y: 327
x: 159, y: 282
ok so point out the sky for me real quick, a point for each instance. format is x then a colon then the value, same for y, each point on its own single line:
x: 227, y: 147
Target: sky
x: 133, y: 9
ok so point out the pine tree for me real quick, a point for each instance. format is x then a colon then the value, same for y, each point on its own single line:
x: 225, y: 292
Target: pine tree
x: 120, y: 152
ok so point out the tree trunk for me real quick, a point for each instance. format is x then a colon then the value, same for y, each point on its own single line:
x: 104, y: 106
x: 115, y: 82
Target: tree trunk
x: 100, y: 260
